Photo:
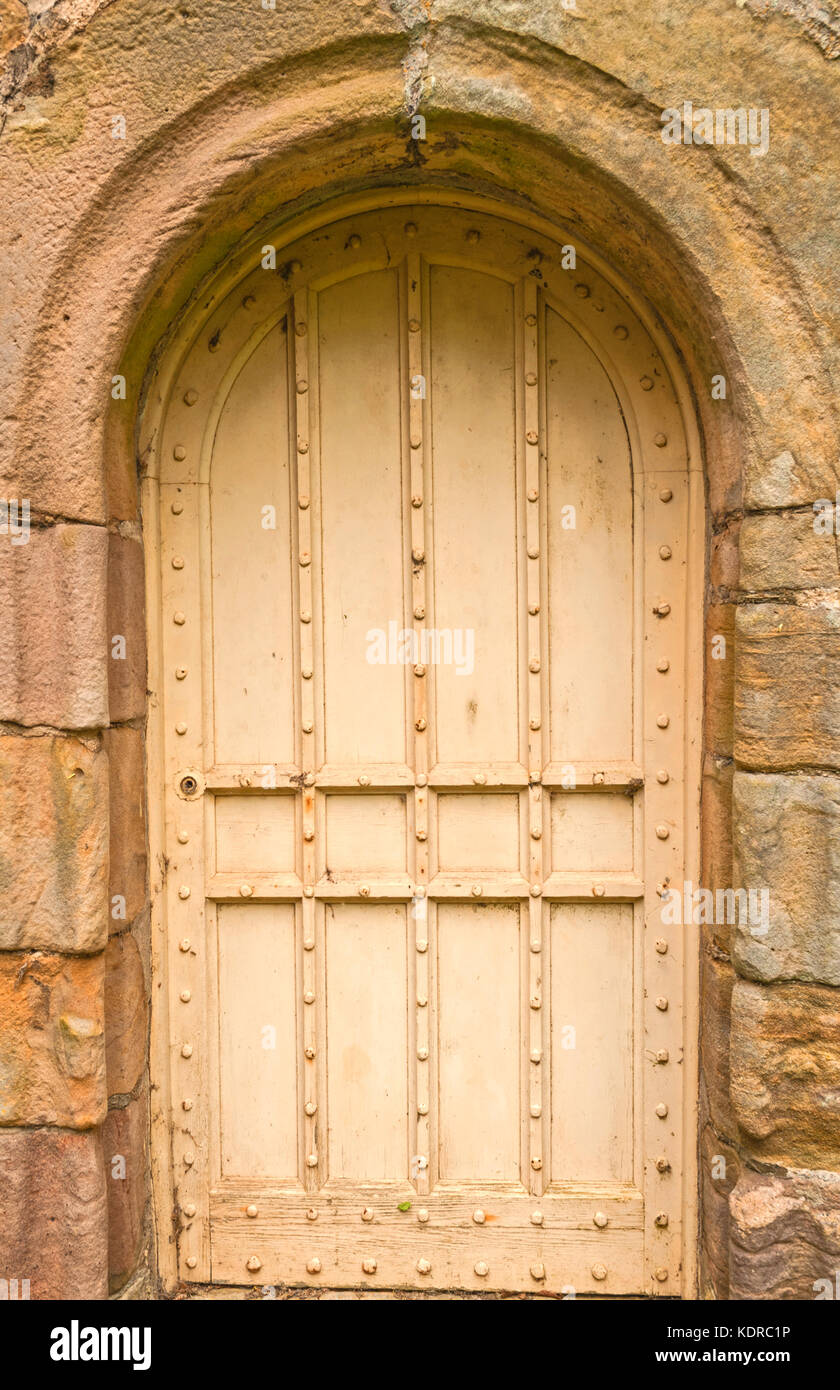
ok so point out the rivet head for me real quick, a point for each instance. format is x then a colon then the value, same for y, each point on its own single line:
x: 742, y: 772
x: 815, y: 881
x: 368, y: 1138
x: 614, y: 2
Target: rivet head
x: 245, y: 890
x: 534, y: 725
x: 662, y: 776
x: 423, y: 1054
x: 354, y: 241
x: 536, y: 1055
x: 190, y: 397
x: 254, y: 1263
x: 536, y: 833
x: 185, y: 996
x: 660, y: 440
x: 478, y: 1216
x: 661, y: 1275
x: 481, y: 1269
x: 252, y: 1211
x: 308, y: 997
x: 419, y: 611
x: 312, y: 1214
x: 177, y: 508
x: 184, y: 891
x: 662, y: 1055
x: 179, y: 619
x: 302, y: 387
x: 415, y: 441
x: 537, y: 1271
x: 312, y: 1160
x: 599, y: 1271
x: 364, y: 890
x: 191, y: 1262
x: 536, y: 1111
x: 303, y: 503
x: 477, y: 890
x: 620, y: 331
x: 533, y: 609
x: 313, y: 1266
x: 309, y: 779
x: 534, y: 665
x: 180, y: 673
x: 423, y: 1266
x: 183, y: 837
x: 410, y: 228
x: 300, y: 329
x: 307, y: 726
x: 414, y: 325
x: 368, y: 1214
x: 417, y: 500
x: 536, y: 890
x: 646, y: 383
x: 309, y: 1053
x: 420, y: 725
x: 662, y: 1110
x: 661, y: 1219
x: 308, y: 943
x: 309, y: 835
x: 598, y: 890
x: 479, y: 778
x: 662, y: 1165
x: 600, y: 1219
x: 418, y: 554
x: 537, y: 1218
x: 187, y: 1104
x: 473, y: 235
x: 303, y: 446
x: 662, y: 946
x: 533, y: 495
x: 179, y: 452
x: 582, y: 291
x: 533, y: 552
x: 532, y: 436
x: 530, y: 378
x: 305, y: 558
x: 310, y: 1107
x: 422, y: 1216
x: 309, y: 891
x: 419, y: 670
x: 662, y: 610
x: 422, y: 946
x: 662, y: 721
x: 248, y: 302
x: 369, y: 1266
x: 662, y: 832
x: 364, y: 780
x: 536, y: 947
x: 306, y: 616
x: 422, y: 1108
x: 186, y: 1050
x: 536, y: 1164
x: 177, y: 562
x: 189, y: 1158
x: 189, y: 1209
x: 663, y: 664
x: 184, y: 944
x: 665, y: 552
x: 421, y: 836
x: 535, y: 1002
x: 665, y: 495
x: 421, y: 779
x: 531, y: 320
x: 662, y: 1004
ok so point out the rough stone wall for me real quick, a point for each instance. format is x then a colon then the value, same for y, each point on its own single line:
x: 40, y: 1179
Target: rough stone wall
x: 234, y: 113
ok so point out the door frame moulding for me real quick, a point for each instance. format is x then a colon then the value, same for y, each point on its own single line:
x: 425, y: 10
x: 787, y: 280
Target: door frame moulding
x: 154, y: 401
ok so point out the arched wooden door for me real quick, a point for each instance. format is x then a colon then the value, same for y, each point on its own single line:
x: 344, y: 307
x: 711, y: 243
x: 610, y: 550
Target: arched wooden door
x: 420, y: 691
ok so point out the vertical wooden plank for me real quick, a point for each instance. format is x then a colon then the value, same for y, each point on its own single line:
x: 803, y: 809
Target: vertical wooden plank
x: 258, y: 1040
x: 414, y: 390
x: 311, y: 1066
x: 367, y: 1024
x: 590, y: 545
x: 478, y: 980
x: 592, y: 1042
x: 474, y: 499
x: 187, y: 735
x: 252, y: 666
x: 531, y: 393
x: 361, y: 519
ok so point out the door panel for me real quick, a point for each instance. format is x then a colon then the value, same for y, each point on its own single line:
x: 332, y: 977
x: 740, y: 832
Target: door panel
x: 423, y: 585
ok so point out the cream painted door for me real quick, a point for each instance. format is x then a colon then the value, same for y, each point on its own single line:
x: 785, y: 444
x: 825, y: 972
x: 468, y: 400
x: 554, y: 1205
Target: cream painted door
x: 423, y: 509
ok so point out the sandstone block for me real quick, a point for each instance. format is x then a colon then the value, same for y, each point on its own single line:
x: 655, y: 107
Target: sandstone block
x: 52, y: 1045
x: 127, y: 825
x: 125, y: 1162
x: 784, y: 1234
x: 53, y: 648
x: 720, y: 677
x: 126, y: 621
x: 787, y: 840
x: 126, y: 1015
x: 786, y: 1072
x: 53, y: 844
x: 717, y: 980
x: 784, y: 552
x: 787, y: 686
x: 53, y: 1212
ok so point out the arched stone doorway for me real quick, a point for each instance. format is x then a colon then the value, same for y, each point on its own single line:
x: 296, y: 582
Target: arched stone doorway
x: 424, y: 1022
